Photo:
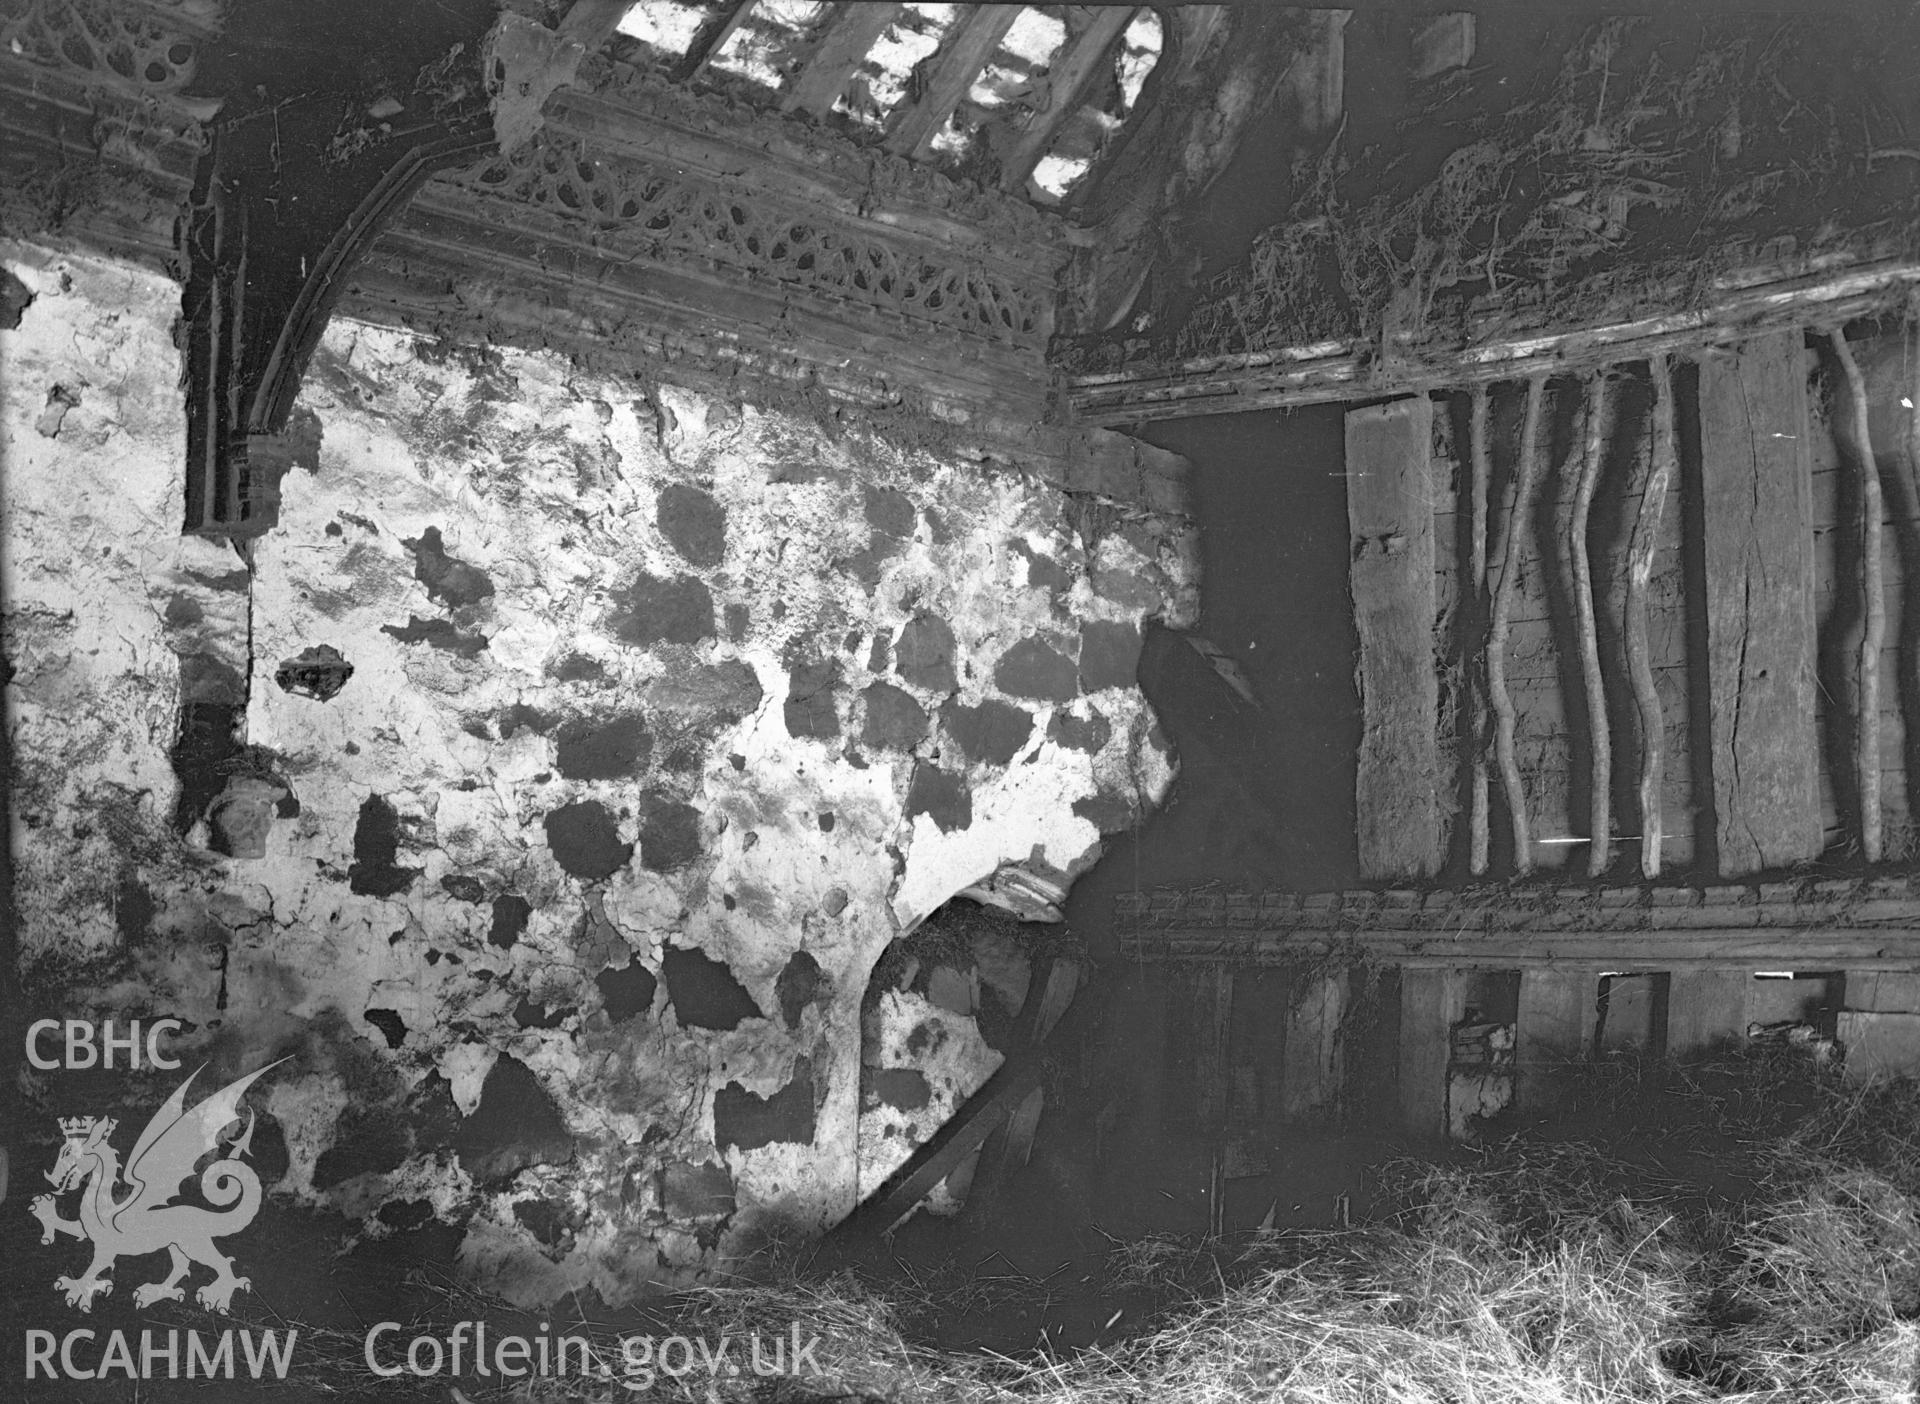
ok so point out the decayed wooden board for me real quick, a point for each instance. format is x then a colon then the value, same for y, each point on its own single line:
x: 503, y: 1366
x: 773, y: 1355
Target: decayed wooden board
x: 1431, y: 1003
x: 1390, y: 515
x: 1675, y: 948
x: 1757, y: 511
x: 1212, y: 1018
x: 1891, y: 992
x: 1554, y: 1026
x: 1147, y: 1012
x: 1705, y: 1008
x: 1330, y: 371
x: 1880, y: 1045
x: 1311, y: 1068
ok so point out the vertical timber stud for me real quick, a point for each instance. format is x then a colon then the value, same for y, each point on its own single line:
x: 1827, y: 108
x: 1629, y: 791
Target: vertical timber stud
x: 1757, y: 511
x: 1554, y: 1027
x: 1390, y: 514
x: 1526, y: 480
x: 1480, y: 459
x: 1600, y: 743
x: 1705, y: 1008
x: 1873, y: 609
x: 1662, y: 470
x: 1431, y: 1003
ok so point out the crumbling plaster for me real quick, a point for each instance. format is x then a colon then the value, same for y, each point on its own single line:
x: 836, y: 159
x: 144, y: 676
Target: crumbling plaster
x: 649, y: 693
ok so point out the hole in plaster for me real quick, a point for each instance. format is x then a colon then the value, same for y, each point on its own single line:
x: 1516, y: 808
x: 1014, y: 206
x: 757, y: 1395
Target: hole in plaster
x: 389, y: 1023
x: 318, y: 672
x: 704, y: 992
x: 627, y: 991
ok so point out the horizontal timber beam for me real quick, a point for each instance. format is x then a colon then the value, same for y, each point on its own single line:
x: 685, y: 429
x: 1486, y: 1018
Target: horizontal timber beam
x: 1331, y: 371
x: 1758, y: 948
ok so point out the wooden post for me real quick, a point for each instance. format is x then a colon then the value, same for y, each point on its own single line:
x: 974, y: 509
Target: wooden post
x: 1705, y: 1008
x: 1431, y: 1003
x: 1757, y: 510
x: 1390, y: 514
x: 1554, y: 1026
x: 1311, y: 1070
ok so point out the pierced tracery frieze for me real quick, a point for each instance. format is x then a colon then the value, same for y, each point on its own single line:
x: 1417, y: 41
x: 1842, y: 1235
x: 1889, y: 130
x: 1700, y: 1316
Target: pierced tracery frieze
x: 146, y: 50
x: 1008, y: 223
x: 643, y: 209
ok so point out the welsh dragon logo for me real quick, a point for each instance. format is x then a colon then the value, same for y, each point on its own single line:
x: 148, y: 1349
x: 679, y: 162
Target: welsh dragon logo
x: 142, y: 1220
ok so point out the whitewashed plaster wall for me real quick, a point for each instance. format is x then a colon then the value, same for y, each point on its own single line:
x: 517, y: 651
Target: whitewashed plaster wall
x: 666, y: 716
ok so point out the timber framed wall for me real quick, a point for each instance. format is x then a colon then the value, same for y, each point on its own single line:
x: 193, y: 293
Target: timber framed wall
x: 1637, y: 670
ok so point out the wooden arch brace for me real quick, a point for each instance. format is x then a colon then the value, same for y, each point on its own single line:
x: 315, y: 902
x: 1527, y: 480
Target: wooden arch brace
x: 302, y: 174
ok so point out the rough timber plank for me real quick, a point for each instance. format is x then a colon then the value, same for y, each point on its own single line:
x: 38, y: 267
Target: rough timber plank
x: 1887, y: 992
x: 1554, y: 1026
x: 1390, y: 516
x: 1757, y: 509
x: 1540, y: 946
x: 1212, y: 1023
x: 1880, y: 1045
x: 1431, y: 1003
x: 1326, y: 372
x: 1705, y: 1008
x: 1311, y: 1068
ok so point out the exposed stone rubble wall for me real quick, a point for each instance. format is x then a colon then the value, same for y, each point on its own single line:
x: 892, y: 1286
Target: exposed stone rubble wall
x: 599, y: 738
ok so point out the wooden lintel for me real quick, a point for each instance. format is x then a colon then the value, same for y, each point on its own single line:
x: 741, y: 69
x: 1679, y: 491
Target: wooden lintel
x: 849, y: 35
x: 968, y: 46
x: 1391, y: 565
x: 1067, y: 79
x: 1335, y: 370
x: 1756, y: 495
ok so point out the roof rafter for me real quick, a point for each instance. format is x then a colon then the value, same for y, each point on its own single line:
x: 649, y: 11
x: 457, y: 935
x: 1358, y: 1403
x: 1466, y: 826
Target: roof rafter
x: 1072, y: 67
x: 838, y: 53
x: 711, y: 38
x: 968, y: 46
